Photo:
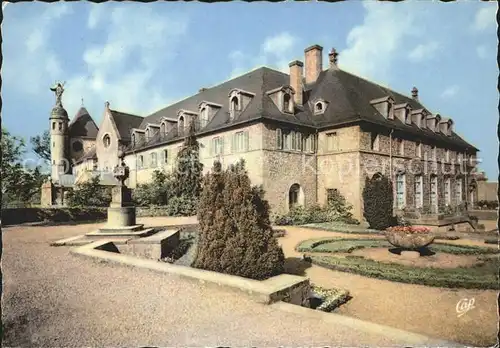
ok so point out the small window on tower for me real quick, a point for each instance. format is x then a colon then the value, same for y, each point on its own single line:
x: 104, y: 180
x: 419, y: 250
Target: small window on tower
x: 60, y: 125
x: 53, y: 125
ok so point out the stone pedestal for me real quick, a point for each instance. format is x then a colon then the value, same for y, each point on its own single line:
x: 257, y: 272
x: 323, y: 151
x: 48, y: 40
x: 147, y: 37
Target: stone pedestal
x: 47, y: 194
x: 121, y: 216
x: 121, y: 212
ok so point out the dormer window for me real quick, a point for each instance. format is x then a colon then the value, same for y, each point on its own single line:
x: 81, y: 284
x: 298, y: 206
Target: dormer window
x: 207, y: 110
x: 203, y: 117
x: 389, y: 111
x: 180, y: 125
x: 287, y: 105
x: 403, y: 112
x: 283, y: 98
x: 234, y: 107
x: 446, y: 126
x: 320, y: 106
x: 163, y: 129
x: 385, y: 106
x: 238, y: 101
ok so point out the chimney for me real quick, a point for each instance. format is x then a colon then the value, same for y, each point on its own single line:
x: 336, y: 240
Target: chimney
x: 332, y: 57
x: 314, y: 62
x: 414, y: 93
x: 296, y: 71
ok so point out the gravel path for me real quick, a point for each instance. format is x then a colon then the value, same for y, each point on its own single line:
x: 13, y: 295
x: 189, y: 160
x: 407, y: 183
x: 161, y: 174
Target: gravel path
x: 416, y: 308
x: 54, y: 299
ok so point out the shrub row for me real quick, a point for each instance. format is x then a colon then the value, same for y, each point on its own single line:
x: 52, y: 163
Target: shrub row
x: 313, y: 214
x: 26, y: 215
x: 487, y: 204
x: 483, y: 276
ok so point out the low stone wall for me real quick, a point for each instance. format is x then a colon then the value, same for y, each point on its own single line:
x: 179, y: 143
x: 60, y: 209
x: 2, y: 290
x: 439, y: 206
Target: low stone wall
x: 154, y: 247
x: 287, y: 287
x: 485, y: 214
x: 17, y: 216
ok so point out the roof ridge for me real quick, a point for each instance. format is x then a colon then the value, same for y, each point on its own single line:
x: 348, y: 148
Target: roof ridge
x: 125, y: 113
x: 379, y: 85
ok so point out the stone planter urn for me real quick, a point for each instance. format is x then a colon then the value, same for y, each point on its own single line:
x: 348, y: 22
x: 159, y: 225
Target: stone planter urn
x: 409, y: 238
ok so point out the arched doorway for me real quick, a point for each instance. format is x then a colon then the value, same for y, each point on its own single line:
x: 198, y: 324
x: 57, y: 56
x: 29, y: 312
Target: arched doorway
x: 295, y: 196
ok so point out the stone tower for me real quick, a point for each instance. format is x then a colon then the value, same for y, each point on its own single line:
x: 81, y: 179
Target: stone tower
x: 58, y: 136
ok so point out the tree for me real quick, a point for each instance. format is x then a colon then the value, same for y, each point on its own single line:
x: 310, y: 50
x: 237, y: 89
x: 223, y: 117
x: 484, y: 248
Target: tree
x: 235, y: 232
x: 158, y: 192
x: 19, y: 184
x: 378, y: 201
x: 188, y: 174
x: 89, y: 194
x: 41, y: 145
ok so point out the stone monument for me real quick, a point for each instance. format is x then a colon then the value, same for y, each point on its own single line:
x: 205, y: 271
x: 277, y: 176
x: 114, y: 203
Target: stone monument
x: 121, y: 211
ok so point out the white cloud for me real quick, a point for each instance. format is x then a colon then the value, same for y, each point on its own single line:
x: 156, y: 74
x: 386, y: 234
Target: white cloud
x: 275, y: 52
x: 123, y: 68
x: 450, y: 92
x: 28, y: 60
x: 96, y: 13
x: 485, y: 17
x: 423, y: 51
x: 373, y: 46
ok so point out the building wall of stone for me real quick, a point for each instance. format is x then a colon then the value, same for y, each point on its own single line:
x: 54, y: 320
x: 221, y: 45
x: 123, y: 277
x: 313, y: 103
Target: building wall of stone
x: 253, y: 156
x: 340, y: 171
x: 284, y: 168
x: 339, y: 168
x: 487, y: 191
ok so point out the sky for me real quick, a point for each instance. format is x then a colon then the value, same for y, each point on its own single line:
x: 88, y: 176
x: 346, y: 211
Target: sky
x: 142, y: 57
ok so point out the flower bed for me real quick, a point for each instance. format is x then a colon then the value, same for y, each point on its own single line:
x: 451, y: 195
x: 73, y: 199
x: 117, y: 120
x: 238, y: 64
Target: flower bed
x: 331, y: 298
x: 347, y: 245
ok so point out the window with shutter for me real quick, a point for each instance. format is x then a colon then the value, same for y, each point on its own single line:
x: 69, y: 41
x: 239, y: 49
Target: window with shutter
x: 247, y: 141
x: 286, y: 141
x: 294, y: 137
x: 279, y: 139
x: 233, y: 143
x: 299, y: 141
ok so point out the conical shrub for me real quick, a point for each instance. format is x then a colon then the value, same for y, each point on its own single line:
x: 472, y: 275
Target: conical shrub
x: 235, y: 232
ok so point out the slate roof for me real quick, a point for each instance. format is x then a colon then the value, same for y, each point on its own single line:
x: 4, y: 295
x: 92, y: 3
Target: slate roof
x: 348, y: 98
x: 124, y: 123
x: 83, y: 125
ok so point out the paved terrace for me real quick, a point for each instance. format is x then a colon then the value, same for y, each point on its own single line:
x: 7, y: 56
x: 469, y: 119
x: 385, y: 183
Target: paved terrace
x: 52, y: 298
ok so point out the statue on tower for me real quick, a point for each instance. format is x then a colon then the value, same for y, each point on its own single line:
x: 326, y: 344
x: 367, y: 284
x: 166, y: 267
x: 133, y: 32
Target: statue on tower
x: 58, y: 88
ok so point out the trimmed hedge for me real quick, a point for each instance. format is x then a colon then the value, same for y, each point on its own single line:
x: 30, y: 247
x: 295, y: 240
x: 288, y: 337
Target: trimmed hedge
x: 484, y: 276
x: 17, y: 216
x: 377, y: 201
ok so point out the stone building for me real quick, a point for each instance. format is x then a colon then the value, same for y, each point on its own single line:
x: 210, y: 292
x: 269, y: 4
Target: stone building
x: 303, y: 135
